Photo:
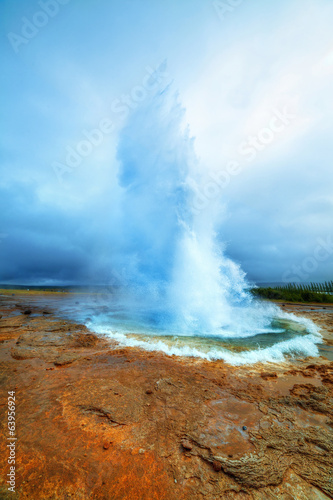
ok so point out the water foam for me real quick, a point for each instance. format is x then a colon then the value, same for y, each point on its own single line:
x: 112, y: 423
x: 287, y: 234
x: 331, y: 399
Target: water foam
x: 279, y: 352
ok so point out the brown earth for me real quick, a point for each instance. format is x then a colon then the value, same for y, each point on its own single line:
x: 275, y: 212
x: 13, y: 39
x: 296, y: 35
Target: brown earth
x: 99, y: 421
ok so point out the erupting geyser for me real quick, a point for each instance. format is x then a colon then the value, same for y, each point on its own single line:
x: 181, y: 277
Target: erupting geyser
x: 174, y: 278
x: 171, y: 265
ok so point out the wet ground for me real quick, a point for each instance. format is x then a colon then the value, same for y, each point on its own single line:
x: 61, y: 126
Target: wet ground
x: 99, y: 421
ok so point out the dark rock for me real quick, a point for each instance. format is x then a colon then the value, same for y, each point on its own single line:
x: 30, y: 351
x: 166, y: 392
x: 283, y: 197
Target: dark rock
x: 106, y: 445
x: 186, y: 445
x: 65, y: 359
x: 149, y: 391
x: 267, y: 375
x: 27, y: 312
x: 217, y: 466
x: 244, y: 428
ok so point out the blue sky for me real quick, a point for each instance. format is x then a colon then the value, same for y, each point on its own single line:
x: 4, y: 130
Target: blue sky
x: 237, y: 66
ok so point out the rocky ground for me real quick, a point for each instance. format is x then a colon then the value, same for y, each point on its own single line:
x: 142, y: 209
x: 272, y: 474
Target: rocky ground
x: 98, y: 421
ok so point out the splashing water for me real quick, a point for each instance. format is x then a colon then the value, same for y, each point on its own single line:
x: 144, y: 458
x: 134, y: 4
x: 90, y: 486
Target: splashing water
x: 176, y: 284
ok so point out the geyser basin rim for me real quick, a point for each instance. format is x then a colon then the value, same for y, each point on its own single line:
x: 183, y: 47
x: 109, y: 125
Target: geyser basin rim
x: 302, y: 346
x: 299, y: 346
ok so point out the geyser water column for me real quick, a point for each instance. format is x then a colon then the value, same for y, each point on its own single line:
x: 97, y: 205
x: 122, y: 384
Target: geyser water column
x: 174, y: 275
x: 178, y: 291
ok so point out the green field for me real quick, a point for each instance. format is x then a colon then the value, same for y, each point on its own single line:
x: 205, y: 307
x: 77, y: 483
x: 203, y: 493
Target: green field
x: 295, y: 292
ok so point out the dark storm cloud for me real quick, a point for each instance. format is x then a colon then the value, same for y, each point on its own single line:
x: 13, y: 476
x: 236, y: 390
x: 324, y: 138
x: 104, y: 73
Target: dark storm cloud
x: 40, y: 243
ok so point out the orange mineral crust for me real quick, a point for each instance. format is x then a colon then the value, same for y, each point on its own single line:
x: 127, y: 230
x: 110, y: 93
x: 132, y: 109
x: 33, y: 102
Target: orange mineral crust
x: 99, y: 421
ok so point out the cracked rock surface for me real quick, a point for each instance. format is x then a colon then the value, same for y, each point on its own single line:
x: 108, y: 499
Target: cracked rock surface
x: 99, y: 421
